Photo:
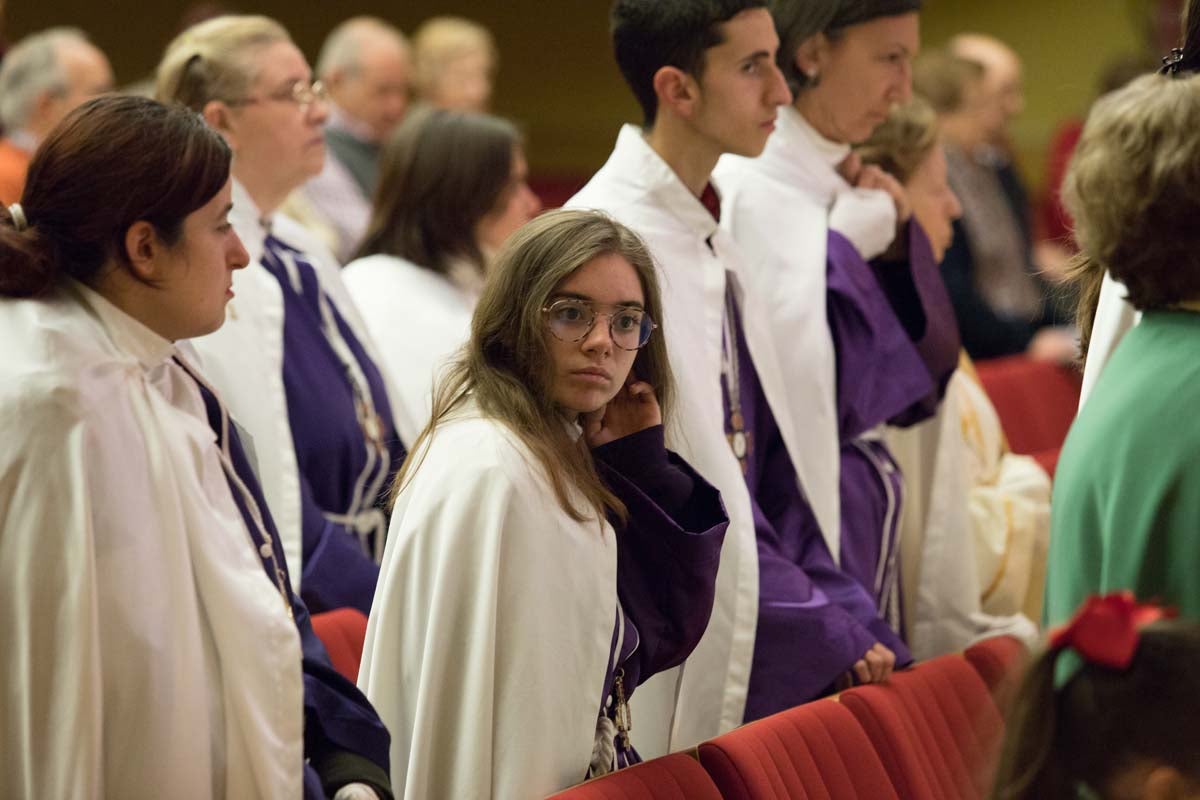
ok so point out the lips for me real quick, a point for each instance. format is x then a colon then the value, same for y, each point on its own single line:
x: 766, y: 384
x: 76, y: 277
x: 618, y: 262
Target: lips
x: 592, y: 374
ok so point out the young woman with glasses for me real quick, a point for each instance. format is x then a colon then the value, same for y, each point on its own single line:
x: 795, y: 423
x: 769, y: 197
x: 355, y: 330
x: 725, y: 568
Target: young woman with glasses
x: 294, y: 361
x: 546, y: 553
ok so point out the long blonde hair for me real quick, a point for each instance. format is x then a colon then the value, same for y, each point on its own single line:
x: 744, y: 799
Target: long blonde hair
x: 506, y: 367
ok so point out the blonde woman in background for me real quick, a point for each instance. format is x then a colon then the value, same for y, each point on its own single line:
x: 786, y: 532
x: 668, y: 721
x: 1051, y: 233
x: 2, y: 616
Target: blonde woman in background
x: 977, y: 517
x: 455, y: 63
x: 294, y: 362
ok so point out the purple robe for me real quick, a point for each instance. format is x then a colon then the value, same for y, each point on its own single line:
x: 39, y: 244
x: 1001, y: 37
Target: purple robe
x: 667, y: 558
x: 331, y: 453
x: 897, y: 345
x: 814, y: 620
x: 344, y: 739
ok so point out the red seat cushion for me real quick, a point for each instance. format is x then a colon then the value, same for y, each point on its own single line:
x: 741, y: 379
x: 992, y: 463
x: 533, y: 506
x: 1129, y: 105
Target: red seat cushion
x: 1036, y: 401
x: 343, y: 632
x: 935, y: 728
x: 678, y: 776
x: 1000, y: 661
x: 817, y: 750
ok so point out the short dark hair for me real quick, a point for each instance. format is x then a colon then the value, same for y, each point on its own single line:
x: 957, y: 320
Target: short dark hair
x: 648, y: 35
x: 113, y: 161
x: 440, y: 173
x: 797, y: 20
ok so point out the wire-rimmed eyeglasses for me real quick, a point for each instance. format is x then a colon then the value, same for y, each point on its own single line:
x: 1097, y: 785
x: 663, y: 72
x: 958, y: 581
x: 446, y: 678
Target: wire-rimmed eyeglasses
x: 570, y: 320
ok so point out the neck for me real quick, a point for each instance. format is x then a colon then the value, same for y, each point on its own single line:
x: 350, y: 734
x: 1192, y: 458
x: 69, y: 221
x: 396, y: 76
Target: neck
x: 690, y: 156
x: 811, y: 111
x: 116, y: 285
x: 267, y: 194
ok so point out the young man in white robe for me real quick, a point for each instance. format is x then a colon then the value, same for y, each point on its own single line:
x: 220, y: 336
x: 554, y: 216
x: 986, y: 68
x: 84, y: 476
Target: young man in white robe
x: 786, y: 625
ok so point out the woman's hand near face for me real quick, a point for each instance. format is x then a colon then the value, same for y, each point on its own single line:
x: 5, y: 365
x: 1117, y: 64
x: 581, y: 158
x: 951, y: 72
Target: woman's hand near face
x: 634, y: 409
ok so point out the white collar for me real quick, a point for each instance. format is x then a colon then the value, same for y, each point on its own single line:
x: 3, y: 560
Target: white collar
x: 637, y: 162
x: 249, y: 222
x: 128, y: 334
x: 831, y: 152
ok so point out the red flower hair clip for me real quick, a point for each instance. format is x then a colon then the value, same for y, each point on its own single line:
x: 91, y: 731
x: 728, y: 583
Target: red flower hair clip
x: 1106, y: 629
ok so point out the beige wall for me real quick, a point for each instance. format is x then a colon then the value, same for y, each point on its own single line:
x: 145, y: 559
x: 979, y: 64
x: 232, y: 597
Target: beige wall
x: 558, y: 78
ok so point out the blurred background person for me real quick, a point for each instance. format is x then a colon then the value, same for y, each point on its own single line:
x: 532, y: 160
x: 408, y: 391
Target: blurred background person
x: 1105, y: 314
x: 976, y: 517
x: 365, y: 66
x: 1002, y: 304
x: 1055, y: 224
x: 456, y: 61
x: 294, y: 360
x: 1126, y: 491
x: 453, y: 188
x: 42, y: 78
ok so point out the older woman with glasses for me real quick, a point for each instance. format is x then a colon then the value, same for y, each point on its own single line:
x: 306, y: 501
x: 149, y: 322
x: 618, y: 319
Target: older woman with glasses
x: 546, y: 553
x: 294, y: 361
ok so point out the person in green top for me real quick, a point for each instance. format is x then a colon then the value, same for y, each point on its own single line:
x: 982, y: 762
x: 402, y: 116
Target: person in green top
x: 1125, y: 513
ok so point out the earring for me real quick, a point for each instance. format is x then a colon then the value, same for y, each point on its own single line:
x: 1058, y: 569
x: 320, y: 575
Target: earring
x: 813, y: 76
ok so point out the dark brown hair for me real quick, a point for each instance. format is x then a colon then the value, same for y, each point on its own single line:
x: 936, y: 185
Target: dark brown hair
x: 110, y: 163
x: 1103, y: 721
x: 506, y: 367
x: 440, y: 173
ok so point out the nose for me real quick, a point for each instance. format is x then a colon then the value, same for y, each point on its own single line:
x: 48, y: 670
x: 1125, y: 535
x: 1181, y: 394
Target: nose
x: 599, y: 338
x: 953, y: 205
x: 780, y: 94
x: 904, y: 88
x: 238, y: 257
x: 533, y: 203
x: 317, y: 111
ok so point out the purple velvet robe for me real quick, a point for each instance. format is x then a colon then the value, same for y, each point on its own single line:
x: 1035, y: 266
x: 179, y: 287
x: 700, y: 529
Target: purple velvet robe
x: 331, y: 453
x: 344, y: 739
x: 814, y: 620
x: 897, y: 345
x: 667, y: 558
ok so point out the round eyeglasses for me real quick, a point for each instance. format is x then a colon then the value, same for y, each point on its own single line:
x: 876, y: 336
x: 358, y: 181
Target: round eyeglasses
x: 571, y: 320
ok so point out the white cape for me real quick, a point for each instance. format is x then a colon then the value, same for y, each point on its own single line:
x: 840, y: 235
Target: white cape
x: 682, y: 707
x: 488, y: 645
x: 244, y: 360
x: 145, y: 650
x: 779, y: 208
x: 976, y: 521
x: 419, y: 319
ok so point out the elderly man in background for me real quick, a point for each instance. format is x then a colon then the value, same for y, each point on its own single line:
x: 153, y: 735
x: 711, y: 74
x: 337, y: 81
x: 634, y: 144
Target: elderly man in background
x: 42, y: 78
x: 365, y: 66
x: 995, y: 275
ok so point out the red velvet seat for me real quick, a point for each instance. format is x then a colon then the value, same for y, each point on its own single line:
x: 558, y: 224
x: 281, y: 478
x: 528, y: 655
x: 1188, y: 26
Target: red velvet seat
x: 1036, y: 402
x: 934, y: 727
x: 343, y: 632
x: 817, y: 751
x: 1000, y: 661
x: 678, y: 776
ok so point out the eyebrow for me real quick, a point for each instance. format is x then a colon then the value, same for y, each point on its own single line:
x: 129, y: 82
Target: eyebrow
x: 584, y: 298
x: 760, y: 55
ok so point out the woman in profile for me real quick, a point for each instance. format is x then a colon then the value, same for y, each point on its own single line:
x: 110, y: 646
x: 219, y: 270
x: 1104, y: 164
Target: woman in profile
x: 150, y: 638
x: 452, y: 189
x: 546, y: 553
